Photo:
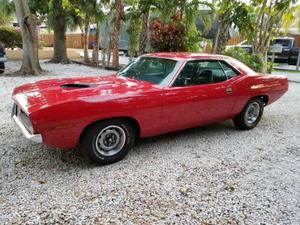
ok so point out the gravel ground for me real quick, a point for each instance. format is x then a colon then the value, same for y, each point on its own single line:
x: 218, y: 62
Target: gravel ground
x: 207, y: 175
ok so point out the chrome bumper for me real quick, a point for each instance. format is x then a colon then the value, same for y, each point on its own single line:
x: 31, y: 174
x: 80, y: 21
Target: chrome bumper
x: 33, y: 137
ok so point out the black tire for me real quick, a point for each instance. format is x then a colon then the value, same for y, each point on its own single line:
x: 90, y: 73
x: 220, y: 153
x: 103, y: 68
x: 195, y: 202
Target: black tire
x: 242, y: 121
x: 90, y: 141
x: 2, y: 67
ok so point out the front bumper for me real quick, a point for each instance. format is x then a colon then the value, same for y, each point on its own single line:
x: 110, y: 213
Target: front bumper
x: 33, y: 137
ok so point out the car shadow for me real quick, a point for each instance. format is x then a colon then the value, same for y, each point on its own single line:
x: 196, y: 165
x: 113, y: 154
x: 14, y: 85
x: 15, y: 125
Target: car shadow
x: 76, y: 158
x: 214, y: 129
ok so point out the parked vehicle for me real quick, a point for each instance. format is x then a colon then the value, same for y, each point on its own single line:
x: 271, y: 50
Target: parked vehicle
x: 244, y: 45
x: 289, y: 53
x: 157, y: 93
x: 2, y: 58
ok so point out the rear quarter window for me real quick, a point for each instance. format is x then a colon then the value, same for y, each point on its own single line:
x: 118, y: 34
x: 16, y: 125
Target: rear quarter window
x: 228, y: 70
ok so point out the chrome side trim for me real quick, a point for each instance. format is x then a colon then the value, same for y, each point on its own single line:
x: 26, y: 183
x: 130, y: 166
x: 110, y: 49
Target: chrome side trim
x: 33, y: 137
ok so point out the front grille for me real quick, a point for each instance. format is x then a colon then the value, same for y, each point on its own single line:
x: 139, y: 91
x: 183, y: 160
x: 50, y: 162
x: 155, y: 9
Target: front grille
x: 23, y: 117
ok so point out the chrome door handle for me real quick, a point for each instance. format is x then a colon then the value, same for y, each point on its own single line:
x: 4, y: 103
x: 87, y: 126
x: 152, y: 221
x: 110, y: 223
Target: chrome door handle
x: 229, y: 90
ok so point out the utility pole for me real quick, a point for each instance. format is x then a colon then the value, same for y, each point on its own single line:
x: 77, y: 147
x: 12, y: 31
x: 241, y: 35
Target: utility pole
x: 298, y: 61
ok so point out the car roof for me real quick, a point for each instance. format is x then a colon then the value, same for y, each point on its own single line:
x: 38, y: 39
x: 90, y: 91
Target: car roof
x: 186, y: 55
x: 286, y: 38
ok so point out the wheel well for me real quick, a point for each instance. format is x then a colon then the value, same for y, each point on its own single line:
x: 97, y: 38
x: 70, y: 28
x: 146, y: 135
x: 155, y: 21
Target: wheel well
x: 264, y: 98
x: 133, y: 122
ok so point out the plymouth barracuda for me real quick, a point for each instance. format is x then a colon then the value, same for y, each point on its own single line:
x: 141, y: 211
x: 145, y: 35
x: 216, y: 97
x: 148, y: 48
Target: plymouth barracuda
x: 157, y: 93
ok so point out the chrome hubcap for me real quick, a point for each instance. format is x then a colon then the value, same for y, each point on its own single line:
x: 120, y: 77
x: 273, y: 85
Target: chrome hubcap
x: 110, y: 140
x: 252, y: 113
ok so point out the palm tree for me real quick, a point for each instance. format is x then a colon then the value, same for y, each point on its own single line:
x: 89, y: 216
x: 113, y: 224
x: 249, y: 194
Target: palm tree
x: 145, y: 8
x: 223, y: 13
x: 98, y: 19
x: 118, y: 15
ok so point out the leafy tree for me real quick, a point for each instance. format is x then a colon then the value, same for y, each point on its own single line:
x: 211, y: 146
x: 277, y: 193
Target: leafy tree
x: 86, y: 10
x: 268, y: 21
x: 182, y: 15
x: 10, y: 37
x: 291, y: 19
x: 98, y: 19
x: 145, y: 9
x: 58, y: 9
x: 134, y: 28
x: 59, y: 14
x: 27, y: 22
x: 253, y: 61
x: 231, y: 13
x: 6, y: 12
x: 168, y: 37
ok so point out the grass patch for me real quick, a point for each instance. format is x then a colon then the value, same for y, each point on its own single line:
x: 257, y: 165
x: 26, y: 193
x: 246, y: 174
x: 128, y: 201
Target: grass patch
x: 286, y: 71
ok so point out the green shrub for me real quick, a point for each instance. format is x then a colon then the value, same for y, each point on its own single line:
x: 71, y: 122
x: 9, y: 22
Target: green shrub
x: 173, y: 36
x: 10, y: 37
x: 253, y: 61
x: 270, y: 66
x: 167, y: 37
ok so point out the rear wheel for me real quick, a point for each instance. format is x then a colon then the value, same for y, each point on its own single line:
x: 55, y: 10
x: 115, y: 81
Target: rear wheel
x: 250, y: 116
x: 108, y: 141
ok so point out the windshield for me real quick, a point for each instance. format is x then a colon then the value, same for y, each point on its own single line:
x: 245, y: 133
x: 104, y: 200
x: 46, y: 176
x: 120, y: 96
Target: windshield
x: 283, y: 42
x: 150, y: 69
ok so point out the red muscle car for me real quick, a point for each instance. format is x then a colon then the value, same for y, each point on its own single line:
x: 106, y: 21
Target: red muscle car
x: 155, y: 94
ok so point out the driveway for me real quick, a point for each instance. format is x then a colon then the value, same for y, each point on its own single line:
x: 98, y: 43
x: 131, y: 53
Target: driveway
x: 124, y: 60
x: 291, y: 75
x: 213, y: 174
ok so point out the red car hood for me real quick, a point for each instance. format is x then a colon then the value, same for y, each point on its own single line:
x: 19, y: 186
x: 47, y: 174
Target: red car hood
x: 45, y: 93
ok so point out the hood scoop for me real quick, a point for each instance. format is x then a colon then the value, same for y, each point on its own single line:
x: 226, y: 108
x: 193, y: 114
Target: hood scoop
x: 76, y: 86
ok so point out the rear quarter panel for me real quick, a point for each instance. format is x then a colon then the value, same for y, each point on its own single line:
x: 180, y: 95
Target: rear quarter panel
x: 252, y: 86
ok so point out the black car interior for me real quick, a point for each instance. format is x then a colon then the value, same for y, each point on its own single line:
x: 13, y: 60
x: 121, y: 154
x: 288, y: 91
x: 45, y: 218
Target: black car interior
x: 201, y: 72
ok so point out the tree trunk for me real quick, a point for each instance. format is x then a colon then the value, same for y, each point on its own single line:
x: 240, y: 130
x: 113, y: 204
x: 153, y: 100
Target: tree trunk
x: 86, y: 39
x: 222, y: 36
x: 109, y: 51
x: 103, y: 58
x: 119, y: 7
x: 216, y: 41
x: 27, y: 22
x: 96, y: 46
x: 59, y: 28
x: 144, y: 33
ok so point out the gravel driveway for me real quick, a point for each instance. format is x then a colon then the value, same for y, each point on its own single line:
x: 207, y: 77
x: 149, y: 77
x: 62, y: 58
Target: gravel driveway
x: 207, y: 175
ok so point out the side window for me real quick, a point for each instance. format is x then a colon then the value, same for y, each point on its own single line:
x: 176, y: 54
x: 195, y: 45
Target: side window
x: 200, y: 72
x: 229, y: 71
x: 217, y: 71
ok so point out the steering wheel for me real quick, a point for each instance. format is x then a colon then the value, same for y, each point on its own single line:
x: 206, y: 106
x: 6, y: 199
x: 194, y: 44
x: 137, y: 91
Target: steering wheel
x: 135, y: 72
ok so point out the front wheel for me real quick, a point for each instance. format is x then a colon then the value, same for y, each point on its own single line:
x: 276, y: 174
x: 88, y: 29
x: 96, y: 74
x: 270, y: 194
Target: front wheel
x: 108, y: 141
x: 250, y: 116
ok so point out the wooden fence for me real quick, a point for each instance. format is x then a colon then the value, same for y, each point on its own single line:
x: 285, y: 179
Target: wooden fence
x: 73, y: 40
x: 76, y: 41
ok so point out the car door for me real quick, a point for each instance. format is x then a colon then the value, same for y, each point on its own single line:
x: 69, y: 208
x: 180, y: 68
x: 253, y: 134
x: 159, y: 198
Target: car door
x: 200, y: 94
